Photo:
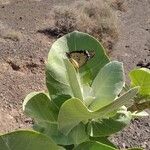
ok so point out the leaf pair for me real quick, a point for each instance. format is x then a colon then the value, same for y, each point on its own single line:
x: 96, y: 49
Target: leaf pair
x: 73, y: 111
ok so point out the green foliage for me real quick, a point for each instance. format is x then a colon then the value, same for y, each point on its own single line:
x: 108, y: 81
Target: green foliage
x: 81, y: 103
x: 107, y: 84
x: 26, y: 140
x: 135, y: 149
x: 102, y: 128
x: 141, y: 77
x: 56, y: 78
x: 76, y: 136
x: 73, y: 111
x: 103, y: 140
x: 39, y: 106
x: 90, y: 145
x: 74, y: 80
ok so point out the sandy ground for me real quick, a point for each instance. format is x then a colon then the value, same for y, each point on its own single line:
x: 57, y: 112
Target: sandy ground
x: 23, y: 52
x: 133, y: 49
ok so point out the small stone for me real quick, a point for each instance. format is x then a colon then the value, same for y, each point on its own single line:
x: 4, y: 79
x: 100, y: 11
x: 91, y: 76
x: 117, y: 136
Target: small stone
x: 140, y: 63
x: 20, y: 18
x: 28, y: 120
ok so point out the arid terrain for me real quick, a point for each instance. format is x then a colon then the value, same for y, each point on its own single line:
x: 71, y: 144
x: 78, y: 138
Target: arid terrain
x: 29, y: 27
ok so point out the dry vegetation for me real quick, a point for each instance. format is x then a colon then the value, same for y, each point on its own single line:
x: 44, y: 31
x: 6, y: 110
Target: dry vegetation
x: 11, y: 35
x: 97, y: 18
x: 4, y: 2
x: 118, y: 5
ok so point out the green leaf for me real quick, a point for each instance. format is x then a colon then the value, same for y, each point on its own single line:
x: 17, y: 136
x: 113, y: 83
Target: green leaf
x: 56, y: 81
x: 51, y: 130
x: 61, y: 148
x: 56, y: 78
x: 103, y: 140
x: 59, y: 100
x: 93, y: 146
x: 26, y: 140
x: 76, y: 136
x: 120, y: 101
x: 74, y: 80
x: 135, y: 149
x: 87, y: 94
x: 107, y: 84
x: 38, y: 106
x: 141, y: 77
x: 73, y: 111
x: 105, y: 127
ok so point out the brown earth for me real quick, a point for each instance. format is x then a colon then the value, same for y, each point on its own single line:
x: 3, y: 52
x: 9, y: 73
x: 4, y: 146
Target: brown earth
x: 23, y: 51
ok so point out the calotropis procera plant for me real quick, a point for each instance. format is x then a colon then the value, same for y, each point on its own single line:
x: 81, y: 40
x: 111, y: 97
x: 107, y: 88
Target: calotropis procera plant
x: 83, y: 106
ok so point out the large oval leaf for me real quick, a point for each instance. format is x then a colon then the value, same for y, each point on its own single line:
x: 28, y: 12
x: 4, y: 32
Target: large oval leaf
x: 141, y: 77
x: 56, y: 78
x: 107, y: 84
x: 26, y: 140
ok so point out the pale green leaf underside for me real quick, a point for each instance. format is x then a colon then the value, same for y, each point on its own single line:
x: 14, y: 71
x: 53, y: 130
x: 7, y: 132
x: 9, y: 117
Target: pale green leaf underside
x: 26, y: 140
x: 73, y: 111
x: 107, y: 84
x: 141, y: 77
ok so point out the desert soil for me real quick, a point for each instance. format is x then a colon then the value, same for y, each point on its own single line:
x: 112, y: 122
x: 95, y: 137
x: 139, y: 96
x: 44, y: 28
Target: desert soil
x: 23, y: 52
